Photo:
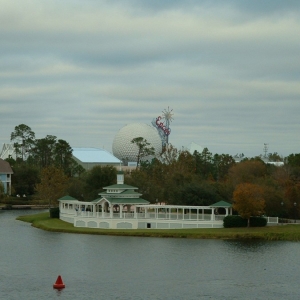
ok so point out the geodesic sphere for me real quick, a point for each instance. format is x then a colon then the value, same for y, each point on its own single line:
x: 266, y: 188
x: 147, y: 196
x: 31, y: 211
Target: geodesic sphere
x: 122, y: 147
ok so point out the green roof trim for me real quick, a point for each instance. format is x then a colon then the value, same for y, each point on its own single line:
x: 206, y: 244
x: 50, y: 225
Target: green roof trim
x: 120, y: 186
x: 221, y: 204
x: 96, y: 200
x: 130, y: 192
x: 126, y: 192
x: 127, y: 201
x: 67, y: 198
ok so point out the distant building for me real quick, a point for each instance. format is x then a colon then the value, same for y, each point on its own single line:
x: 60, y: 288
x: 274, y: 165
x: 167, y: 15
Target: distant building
x: 5, y: 175
x: 8, y: 151
x: 240, y: 157
x: 195, y: 147
x: 91, y: 157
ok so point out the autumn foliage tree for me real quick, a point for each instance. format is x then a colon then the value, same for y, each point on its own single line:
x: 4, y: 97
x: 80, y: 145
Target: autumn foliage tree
x: 248, y: 200
x: 247, y: 171
x: 53, y: 185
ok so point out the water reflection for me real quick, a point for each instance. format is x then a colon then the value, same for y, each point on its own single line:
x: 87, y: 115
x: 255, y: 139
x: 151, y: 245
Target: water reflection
x: 250, y: 245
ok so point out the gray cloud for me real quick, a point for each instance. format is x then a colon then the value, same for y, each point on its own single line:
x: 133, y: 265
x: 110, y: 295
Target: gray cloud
x: 81, y: 72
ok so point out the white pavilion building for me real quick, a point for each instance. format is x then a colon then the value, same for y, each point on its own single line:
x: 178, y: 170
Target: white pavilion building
x: 120, y: 207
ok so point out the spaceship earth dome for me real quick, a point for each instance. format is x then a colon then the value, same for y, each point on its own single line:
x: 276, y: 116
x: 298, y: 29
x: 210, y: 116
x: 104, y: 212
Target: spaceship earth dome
x: 122, y: 147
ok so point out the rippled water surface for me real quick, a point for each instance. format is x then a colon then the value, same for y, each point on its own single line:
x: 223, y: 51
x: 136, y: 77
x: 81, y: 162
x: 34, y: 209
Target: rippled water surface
x: 108, y: 267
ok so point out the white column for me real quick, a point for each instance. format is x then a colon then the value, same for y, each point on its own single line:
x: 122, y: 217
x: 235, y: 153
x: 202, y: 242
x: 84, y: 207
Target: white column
x: 135, y: 212
x: 212, y: 214
x: 121, y: 211
x: 111, y: 211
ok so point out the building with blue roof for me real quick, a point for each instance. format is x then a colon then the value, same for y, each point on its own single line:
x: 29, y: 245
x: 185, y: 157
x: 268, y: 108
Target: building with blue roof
x: 91, y: 157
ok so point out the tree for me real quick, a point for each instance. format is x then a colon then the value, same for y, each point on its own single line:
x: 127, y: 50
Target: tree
x: 292, y: 200
x: 43, y: 151
x: 24, y: 179
x: 76, y: 169
x: 222, y: 163
x: 293, y: 161
x: 23, y: 138
x: 204, y: 163
x: 97, y: 178
x: 53, y: 185
x: 247, y: 171
x: 248, y: 200
x: 144, y: 148
x: 63, y: 155
x: 169, y: 155
x: 194, y: 193
x: 274, y: 157
x: 76, y: 188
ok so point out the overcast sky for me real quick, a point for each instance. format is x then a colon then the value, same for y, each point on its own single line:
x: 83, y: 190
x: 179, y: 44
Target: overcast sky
x: 83, y: 69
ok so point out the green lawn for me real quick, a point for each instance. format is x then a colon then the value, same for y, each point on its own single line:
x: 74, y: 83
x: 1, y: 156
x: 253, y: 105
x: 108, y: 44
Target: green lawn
x: 283, y: 233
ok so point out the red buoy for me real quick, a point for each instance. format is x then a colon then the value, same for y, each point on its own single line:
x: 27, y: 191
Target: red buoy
x: 59, y: 283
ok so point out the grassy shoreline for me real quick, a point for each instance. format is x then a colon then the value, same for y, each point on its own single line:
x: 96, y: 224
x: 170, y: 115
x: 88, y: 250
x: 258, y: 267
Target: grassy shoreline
x: 270, y: 233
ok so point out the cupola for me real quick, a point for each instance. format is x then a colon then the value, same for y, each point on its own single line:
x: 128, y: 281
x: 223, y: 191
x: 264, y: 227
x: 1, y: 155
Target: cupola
x: 120, y: 177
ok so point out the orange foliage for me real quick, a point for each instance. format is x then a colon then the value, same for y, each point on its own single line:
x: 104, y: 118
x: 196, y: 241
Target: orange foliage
x: 247, y: 171
x: 248, y: 200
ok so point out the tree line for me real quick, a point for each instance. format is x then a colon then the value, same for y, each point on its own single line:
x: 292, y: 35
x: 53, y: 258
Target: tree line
x: 179, y: 177
x: 174, y: 177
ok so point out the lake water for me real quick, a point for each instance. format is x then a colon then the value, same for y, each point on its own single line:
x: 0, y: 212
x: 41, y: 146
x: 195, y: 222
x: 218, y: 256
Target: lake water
x: 109, y: 267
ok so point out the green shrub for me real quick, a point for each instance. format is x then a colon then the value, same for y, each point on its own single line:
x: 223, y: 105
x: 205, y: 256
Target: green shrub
x: 238, y: 221
x: 258, y: 221
x: 54, y: 213
x: 14, y: 200
x: 234, y: 221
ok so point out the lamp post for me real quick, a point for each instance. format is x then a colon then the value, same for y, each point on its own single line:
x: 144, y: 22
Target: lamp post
x: 295, y: 211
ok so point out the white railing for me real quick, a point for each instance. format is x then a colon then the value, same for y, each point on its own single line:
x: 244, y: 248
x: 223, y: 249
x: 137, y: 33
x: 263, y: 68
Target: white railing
x: 150, y: 215
x: 272, y: 220
x: 219, y: 217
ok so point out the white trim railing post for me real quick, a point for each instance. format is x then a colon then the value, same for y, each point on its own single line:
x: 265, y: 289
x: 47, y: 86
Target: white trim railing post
x: 121, y: 210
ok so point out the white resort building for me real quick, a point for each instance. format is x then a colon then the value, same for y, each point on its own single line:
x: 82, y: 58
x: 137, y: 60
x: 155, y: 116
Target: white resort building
x: 120, y: 207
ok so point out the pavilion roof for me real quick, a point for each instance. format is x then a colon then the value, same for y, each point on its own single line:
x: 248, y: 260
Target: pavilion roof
x: 221, y: 204
x: 67, y: 198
